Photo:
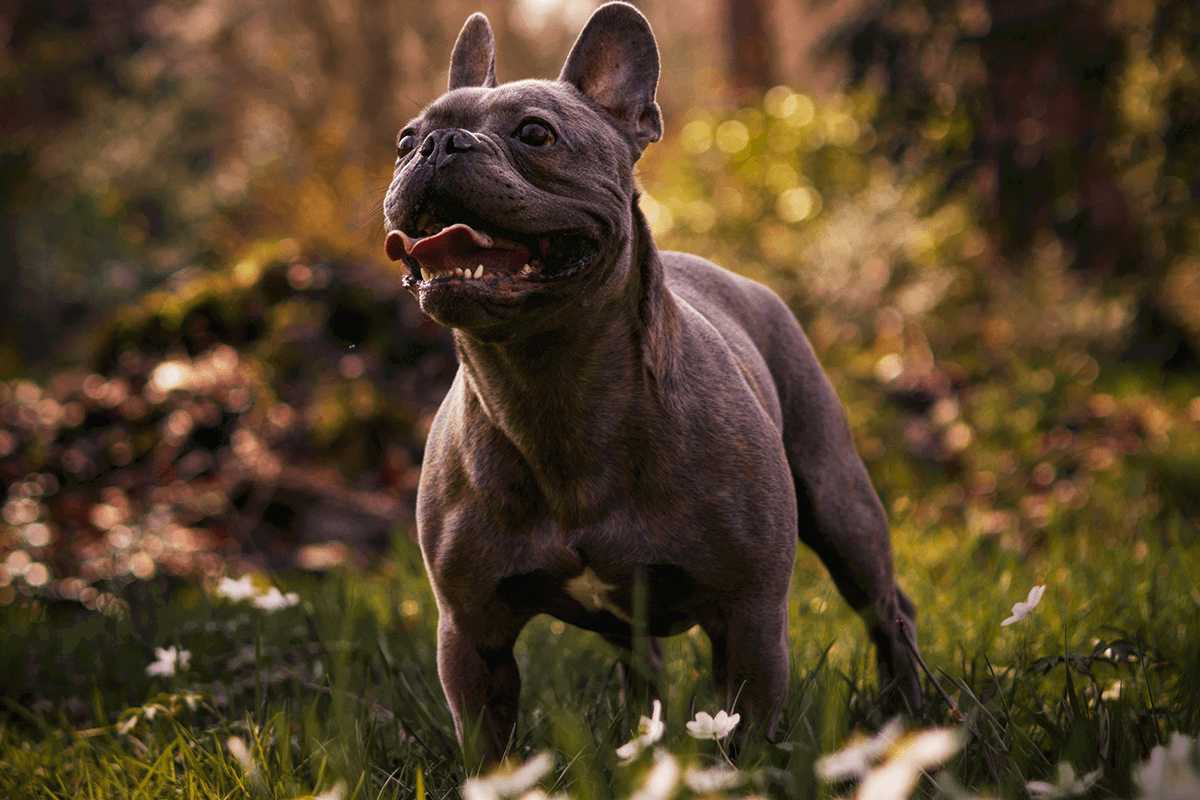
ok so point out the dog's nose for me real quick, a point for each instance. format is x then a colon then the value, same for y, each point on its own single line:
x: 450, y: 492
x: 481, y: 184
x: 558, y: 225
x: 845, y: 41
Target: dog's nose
x: 442, y: 145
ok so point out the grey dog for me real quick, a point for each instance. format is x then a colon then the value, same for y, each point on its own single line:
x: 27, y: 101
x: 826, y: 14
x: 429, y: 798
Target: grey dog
x: 624, y: 423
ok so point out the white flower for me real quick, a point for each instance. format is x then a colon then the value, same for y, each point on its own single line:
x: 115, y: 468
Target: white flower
x: 274, y: 600
x: 478, y: 789
x: 896, y: 777
x: 650, y: 730
x: 166, y: 661
x: 1066, y: 785
x: 718, y: 727
x: 537, y: 794
x: 508, y: 782
x: 1021, y: 609
x: 629, y: 751
x: 1172, y: 772
x: 711, y: 781
x: 660, y: 780
x: 855, y: 760
x: 241, y: 753
x: 336, y: 793
x: 241, y: 589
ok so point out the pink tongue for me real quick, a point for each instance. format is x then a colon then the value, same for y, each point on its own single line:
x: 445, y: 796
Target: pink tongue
x: 461, y: 246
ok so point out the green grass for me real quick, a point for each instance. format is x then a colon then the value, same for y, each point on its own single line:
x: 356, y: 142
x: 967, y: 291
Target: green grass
x: 342, y: 689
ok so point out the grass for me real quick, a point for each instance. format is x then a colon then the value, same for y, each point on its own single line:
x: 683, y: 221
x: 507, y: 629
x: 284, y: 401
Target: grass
x: 341, y: 690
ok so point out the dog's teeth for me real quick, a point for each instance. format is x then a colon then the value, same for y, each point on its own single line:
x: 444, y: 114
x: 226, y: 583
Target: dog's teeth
x: 479, y: 271
x: 424, y: 274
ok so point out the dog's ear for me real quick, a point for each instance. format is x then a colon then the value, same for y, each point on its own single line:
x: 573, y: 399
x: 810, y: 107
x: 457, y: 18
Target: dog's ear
x: 615, y: 63
x: 473, y: 62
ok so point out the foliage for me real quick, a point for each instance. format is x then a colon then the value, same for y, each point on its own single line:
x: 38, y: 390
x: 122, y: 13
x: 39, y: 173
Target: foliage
x: 1072, y: 122
x: 278, y: 405
x: 144, y: 138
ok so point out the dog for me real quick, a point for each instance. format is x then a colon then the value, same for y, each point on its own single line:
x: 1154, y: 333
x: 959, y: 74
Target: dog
x: 624, y: 423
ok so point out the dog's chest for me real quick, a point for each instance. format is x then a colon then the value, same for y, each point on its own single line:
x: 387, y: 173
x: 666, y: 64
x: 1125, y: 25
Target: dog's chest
x: 605, y: 596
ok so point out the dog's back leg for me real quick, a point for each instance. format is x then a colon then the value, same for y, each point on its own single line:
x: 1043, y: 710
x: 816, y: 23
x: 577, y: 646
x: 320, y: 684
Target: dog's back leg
x: 852, y: 541
x: 840, y: 515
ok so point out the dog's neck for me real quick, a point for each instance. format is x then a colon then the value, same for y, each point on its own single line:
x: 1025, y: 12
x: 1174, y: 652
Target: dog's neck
x: 576, y: 402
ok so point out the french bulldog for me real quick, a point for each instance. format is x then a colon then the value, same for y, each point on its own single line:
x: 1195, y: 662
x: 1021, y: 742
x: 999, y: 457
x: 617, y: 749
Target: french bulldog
x: 626, y: 426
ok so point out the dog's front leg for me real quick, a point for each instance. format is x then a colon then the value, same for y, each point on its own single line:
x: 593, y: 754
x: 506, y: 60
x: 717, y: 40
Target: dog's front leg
x: 482, y: 686
x: 750, y: 665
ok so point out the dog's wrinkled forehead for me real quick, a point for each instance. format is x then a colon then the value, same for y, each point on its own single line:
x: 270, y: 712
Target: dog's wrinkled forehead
x: 580, y: 125
x: 555, y: 101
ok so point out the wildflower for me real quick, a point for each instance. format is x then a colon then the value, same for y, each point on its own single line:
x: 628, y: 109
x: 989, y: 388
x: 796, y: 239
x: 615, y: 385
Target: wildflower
x: 274, y: 600
x: 508, y: 782
x: 1066, y: 785
x: 912, y: 755
x: 241, y: 753
x: 718, y: 727
x: 336, y: 793
x: 650, y: 730
x: 660, y: 780
x: 855, y: 761
x: 711, y: 781
x: 1019, y: 610
x: 167, y: 660
x: 1172, y: 772
x: 241, y: 589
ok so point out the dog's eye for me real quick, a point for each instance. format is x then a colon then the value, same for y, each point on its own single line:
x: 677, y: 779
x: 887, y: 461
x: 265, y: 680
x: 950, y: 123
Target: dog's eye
x: 535, y: 133
x: 406, y: 143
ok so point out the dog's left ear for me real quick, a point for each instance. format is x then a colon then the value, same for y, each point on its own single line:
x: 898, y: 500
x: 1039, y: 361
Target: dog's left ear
x: 473, y: 62
x: 615, y: 63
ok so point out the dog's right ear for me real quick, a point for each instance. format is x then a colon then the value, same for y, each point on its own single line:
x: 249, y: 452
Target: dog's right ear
x: 473, y: 62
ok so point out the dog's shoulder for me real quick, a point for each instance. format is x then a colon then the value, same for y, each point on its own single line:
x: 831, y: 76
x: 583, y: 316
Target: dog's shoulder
x: 721, y: 295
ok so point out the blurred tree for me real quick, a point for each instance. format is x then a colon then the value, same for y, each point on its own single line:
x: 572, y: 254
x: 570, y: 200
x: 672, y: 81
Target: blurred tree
x: 1049, y: 114
x: 139, y: 138
x: 749, y: 46
x: 53, y: 55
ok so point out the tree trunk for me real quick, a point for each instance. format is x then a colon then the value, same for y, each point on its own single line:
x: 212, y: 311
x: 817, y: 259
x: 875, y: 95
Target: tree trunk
x: 748, y: 46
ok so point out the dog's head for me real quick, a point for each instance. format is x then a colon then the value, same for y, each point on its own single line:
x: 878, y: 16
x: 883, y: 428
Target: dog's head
x: 511, y: 205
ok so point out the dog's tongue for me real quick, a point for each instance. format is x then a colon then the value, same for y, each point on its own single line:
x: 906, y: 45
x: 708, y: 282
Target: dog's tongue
x: 458, y: 246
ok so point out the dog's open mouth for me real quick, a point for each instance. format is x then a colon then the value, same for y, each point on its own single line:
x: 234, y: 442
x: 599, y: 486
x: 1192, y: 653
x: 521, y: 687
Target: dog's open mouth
x: 440, y: 248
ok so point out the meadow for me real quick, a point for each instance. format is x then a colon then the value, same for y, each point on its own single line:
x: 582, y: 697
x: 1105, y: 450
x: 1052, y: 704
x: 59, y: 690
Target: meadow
x: 336, y: 696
